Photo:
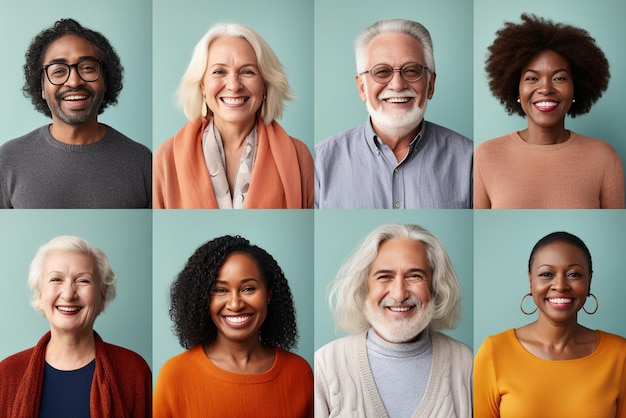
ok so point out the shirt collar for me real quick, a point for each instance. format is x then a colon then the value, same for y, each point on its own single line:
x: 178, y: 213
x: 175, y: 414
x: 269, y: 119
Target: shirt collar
x: 374, y: 142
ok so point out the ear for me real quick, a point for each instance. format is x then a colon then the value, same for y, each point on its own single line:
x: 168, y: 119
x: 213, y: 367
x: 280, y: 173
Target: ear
x: 530, y: 282
x: 589, y: 290
x: 360, y: 84
x: 431, y: 86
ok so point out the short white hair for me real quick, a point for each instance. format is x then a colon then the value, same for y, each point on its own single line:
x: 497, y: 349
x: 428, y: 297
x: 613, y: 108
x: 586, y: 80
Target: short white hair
x: 190, y: 94
x: 409, y: 27
x: 70, y: 243
x: 348, y: 292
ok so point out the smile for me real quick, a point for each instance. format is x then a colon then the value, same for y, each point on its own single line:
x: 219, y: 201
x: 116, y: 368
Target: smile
x: 560, y: 301
x: 237, y: 320
x: 75, y: 97
x: 397, y: 99
x: 546, y: 105
x: 69, y: 309
x: 403, y: 308
x: 234, y: 101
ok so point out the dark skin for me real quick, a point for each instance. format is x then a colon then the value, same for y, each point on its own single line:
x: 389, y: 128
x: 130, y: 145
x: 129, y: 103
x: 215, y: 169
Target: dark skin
x: 560, y: 281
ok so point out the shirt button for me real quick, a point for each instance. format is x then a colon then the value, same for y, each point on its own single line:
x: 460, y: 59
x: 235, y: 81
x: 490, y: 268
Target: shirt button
x: 397, y: 205
x: 395, y: 170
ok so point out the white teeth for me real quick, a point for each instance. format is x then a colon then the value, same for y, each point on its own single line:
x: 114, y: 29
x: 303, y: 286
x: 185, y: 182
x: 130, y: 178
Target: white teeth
x: 231, y: 101
x: 397, y: 99
x: 560, y: 300
x: 68, y: 308
x: 399, y: 308
x: 546, y: 104
x: 237, y: 319
x: 75, y: 98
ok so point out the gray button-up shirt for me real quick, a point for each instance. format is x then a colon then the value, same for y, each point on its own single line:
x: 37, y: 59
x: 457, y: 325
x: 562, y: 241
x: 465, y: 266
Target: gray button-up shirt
x: 355, y: 169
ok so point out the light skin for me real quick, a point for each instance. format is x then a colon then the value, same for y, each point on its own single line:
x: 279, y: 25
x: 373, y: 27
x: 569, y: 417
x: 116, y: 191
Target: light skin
x: 74, y: 105
x: 238, y: 308
x: 559, y: 281
x: 233, y: 89
x: 395, y: 49
x: 399, y: 272
x: 546, y: 91
x: 71, y: 298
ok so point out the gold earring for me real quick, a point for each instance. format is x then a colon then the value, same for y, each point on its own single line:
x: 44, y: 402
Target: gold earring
x: 597, y: 305
x: 522, y: 308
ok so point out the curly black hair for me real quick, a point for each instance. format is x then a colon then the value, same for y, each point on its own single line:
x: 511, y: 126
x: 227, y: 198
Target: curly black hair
x: 516, y: 44
x: 33, y: 68
x: 190, y: 295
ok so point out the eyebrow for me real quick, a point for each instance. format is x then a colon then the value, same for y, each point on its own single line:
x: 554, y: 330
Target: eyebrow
x: 530, y: 70
x: 411, y: 270
x: 64, y: 61
x: 569, y: 265
x: 247, y: 280
x: 226, y: 65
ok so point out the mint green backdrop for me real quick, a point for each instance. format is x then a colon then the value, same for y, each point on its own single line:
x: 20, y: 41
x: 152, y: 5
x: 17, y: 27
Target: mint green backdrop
x: 337, y: 23
x: 603, y: 21
x: 338, y: 233
x: 125, y: 236
x: 286, y: 25
x: 126, y: 24
x: 286, y: 235
x: 502, y: 244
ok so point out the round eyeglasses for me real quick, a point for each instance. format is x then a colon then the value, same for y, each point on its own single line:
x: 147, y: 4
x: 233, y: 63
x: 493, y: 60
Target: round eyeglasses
x: 383, y: 73
x: 59, y: 72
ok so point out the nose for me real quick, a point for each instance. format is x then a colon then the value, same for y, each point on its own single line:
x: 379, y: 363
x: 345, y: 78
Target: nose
x: 397, y: 82
x: 68, y: 291
x: 233, y: 83
x: 560, y: 282
x: 398, y: 289
x: 234, y: 302
x: 546, y: 86
x: 74, y: 79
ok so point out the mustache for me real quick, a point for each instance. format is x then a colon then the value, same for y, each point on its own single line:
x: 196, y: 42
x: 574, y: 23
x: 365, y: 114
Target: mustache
x: 388, y: 301
x: 84, y: 90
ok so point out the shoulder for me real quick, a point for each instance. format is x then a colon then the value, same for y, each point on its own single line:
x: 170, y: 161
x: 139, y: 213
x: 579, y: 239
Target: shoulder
x: 614, y: 341
x: 341, y: 140
x: 15, y: 363
x: 339, y: 350
x: 185, y: 137
x: 496, y: 143
x: 129, y: 144
x: 598, y: 145
x: 21, y: 143
x: 293, y: 360
x: 181, y: 363
x: 449, y: 345
x: 127, y: 359
x: 448, y: 135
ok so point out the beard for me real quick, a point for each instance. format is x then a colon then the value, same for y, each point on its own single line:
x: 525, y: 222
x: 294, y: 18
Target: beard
x: 399, y: 330
x: 76, y: 117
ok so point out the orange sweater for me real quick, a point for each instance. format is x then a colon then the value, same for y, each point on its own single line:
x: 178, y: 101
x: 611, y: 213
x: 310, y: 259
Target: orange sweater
x: 511, y: 382
x: 282, y: 176
x: 190, y: 385
x: 580, y: 173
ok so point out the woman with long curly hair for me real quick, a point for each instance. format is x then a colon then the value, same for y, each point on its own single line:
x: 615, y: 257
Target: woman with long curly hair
x: 232, y: 308
x: 544, y: 71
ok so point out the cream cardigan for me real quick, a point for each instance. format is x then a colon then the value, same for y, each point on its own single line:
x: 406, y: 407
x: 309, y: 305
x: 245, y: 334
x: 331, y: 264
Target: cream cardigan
x: 344, y: 385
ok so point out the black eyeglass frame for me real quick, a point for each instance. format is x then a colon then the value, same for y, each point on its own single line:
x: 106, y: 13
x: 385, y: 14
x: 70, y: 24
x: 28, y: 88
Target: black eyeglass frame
x: 69, y: 72
x: 394, y: 70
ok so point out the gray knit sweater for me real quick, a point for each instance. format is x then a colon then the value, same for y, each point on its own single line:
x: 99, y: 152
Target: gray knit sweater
x: 37, y: 171
x: 344, y: 385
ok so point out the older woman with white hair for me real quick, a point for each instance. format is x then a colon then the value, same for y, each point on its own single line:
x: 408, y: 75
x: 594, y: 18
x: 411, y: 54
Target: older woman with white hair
x: 71, y: 372
x: 232, y: 153
x: 394, y: 294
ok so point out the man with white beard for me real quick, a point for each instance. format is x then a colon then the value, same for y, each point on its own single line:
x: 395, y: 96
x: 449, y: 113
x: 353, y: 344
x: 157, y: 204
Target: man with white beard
x: 395, y: 159
x: 393, y: 294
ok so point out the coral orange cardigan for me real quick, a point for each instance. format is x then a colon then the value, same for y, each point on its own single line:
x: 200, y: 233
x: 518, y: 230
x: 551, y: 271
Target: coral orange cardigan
x: 282, y: 176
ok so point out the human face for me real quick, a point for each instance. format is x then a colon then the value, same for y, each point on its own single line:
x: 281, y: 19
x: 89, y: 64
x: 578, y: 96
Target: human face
x: 546, y: 90
x: 71, y: 294
x: 396, y: 108
x: 233, y: 86
x: 76, y: 101
x: 239, y: 299
x: 559, y: 281
x: 398, y: 298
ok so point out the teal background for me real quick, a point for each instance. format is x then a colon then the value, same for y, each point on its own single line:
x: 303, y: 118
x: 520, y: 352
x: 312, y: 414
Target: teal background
x: 286, y: 25
x: 603, y: 21
x: 286, y: 235
x: 125, y: 236
x: 338, y: 233
x: 337, y: 23
x: 126, y: 24
x: 502, y: 244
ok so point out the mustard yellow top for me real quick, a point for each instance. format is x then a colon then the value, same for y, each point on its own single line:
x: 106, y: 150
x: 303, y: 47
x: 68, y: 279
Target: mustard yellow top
x: 511, y: 382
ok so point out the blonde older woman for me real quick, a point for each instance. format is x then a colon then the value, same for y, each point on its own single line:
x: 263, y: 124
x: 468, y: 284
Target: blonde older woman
x: 232, y: 153
x: 71, y: 372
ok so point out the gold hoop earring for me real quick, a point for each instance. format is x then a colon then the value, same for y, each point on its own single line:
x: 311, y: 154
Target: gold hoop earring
x: 522, y: 308
x: 597, y: 305
x: 205, y: 109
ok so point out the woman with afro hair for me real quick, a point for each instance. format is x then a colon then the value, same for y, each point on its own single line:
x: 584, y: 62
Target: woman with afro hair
x: 232, y: 310
x: 544, y: 71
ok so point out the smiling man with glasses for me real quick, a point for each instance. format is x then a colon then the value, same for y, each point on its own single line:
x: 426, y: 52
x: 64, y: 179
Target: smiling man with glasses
x: 72, y: 74
x: 395, y: 159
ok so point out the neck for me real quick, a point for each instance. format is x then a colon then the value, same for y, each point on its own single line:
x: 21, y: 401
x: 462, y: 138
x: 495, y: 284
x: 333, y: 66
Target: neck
x: 233, y: 134
x: 83, y: 134
x: 397, y: 140
x: 243, y: 357
x: 545, y: 136
x: 70, y: 351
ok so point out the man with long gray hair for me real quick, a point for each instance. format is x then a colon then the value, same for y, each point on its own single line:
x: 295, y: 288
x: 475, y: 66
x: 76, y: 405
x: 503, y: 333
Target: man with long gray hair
x: 392, y: 295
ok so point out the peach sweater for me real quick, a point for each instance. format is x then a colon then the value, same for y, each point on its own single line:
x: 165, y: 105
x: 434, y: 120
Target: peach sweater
x: 190, y: 385
x: 282, y: 176
x: 580, y: 173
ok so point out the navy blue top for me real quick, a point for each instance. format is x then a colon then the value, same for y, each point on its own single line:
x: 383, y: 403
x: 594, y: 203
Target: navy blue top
x: 66, y: 393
